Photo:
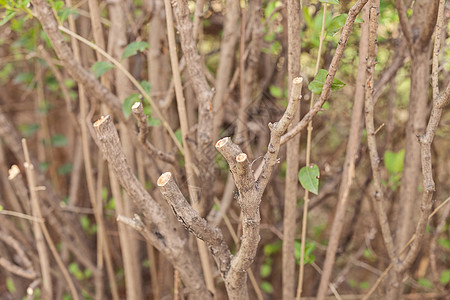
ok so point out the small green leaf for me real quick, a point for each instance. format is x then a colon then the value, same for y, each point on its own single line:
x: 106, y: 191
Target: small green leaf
x: 100, y: 67
x: 153, y: 122
x: 309, y: 178
x: 133, y: 48
x: 179, y: 136
x: 146, y: 86
x: 10, y: 285
x: 266, y: 287
x: 425, y: 283
x: 128, y: 103
x: 8, y: 16
x: 309, y: 248
x: 1, y: 208
x: 316, y: 85
x: 28, y: 129
x: 336, y: 24
x: 394, y: 161
x: 444, y: 243
x: 331, y: 1
x: 445, y: 277
x: 275, y: 91
x: 364, y: 285
x: 65, y: 169
x: 59, y: 140
x: 272, y: 248
x: 266, y: 269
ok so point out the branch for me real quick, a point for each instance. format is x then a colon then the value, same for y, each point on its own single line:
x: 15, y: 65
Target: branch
x: 276, y: 131
x: 427, y: 31
x: 161, y: 233
x: 406, y: 27
x: 352, y: 14
x: 141, y: 117
x: 27, y: 271
x: 378, y: 194
x: 194, y: 223
x: 425, y: 146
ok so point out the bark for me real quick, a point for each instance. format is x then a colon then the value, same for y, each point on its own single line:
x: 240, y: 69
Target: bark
x: 292, y: 156
x: 348, y: 172
x: 158, y: 229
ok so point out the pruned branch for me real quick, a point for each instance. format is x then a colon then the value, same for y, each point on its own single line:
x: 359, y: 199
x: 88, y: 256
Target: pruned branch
x: 277, y: 129
x: 193, y: 222
x: 161, y: 233
x: 140, y: 116
x: 326, y: 91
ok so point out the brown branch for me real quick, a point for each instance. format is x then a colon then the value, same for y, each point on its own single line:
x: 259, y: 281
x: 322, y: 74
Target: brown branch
x: 404, y: 23
x: 164, y: 236
x: 348, y: 172
x: 326, y: 91
x: 276, y: 131
x: 204, y: 95
x: 192, y: 221
x: 141, y: 117
x: 425, y: 146
x: 378, y: 194
x: 427, y: 31
x: 27, y: 270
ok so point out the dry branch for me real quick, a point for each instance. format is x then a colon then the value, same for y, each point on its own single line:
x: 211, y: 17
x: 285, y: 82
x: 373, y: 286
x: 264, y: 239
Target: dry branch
x: 161, y: 233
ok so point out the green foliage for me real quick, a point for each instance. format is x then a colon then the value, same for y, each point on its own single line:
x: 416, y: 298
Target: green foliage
x: 394, y: 164
x: 87, y: 226
x: 128, y: 103
x: 1, y: 208
x: 12, y: 8
x: 272, y: 248
x: 445, y: 277
x: 444, y: 243
x: 338, y: 22
x: 425, y: 283
x: 316, y: 85
x: 309, y: 248
x: 65, y: 169
x: 10, y: 285
x: 75, y: 270
x: 179, y: 136
x: 59, y: 140
x: 100, y: 67
x: 133, y: 48
x: 276, y: 91
x: 28, y: 129
x: 309, y: 178
x: 267, y: 287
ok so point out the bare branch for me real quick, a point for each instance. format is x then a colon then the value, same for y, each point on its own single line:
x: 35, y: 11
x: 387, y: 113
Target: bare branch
x: 140, y: 116
x: 276, y: 131
x: 404, y: 23
x: 326, y: 91
x: 194, y: 223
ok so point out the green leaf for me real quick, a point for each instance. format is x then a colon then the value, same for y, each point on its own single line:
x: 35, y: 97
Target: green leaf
x: 266, y: 269
x: 267, y: 287
x: 445, y: 277
x: 425, y: 283
x: 309, y: 248
x: 309, y: 178
x: 133, y: 48
x: 331, y: 1
x: 336, y: 24
x: 153, y: 122
x: 1, y: 208
x: 65, y: 169
x: 128, y: 103
x: 100, y: 67
x: 179, y: 136
x: 8, y: 16
x: 272, y: 248
x: 316, y: 85
x: 59, y: 140
x: 444, y: 243
x: 394, y: 161
x: 146, y: 86
x: 28, y: 129
x: 10, y: 285
x: 275, y: 91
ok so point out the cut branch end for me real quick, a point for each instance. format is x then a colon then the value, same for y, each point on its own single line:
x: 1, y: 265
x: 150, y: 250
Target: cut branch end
x: 102, y: 120
x: 164, y: 178
x: 241, y: 157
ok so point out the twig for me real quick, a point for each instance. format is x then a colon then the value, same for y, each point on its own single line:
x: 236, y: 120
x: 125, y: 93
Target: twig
x: 346, y: 30
x: 27, y: 271
x: 378, y: 194
x: 140, y: 116
x: 425, y: 146
x: 276, y: 131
